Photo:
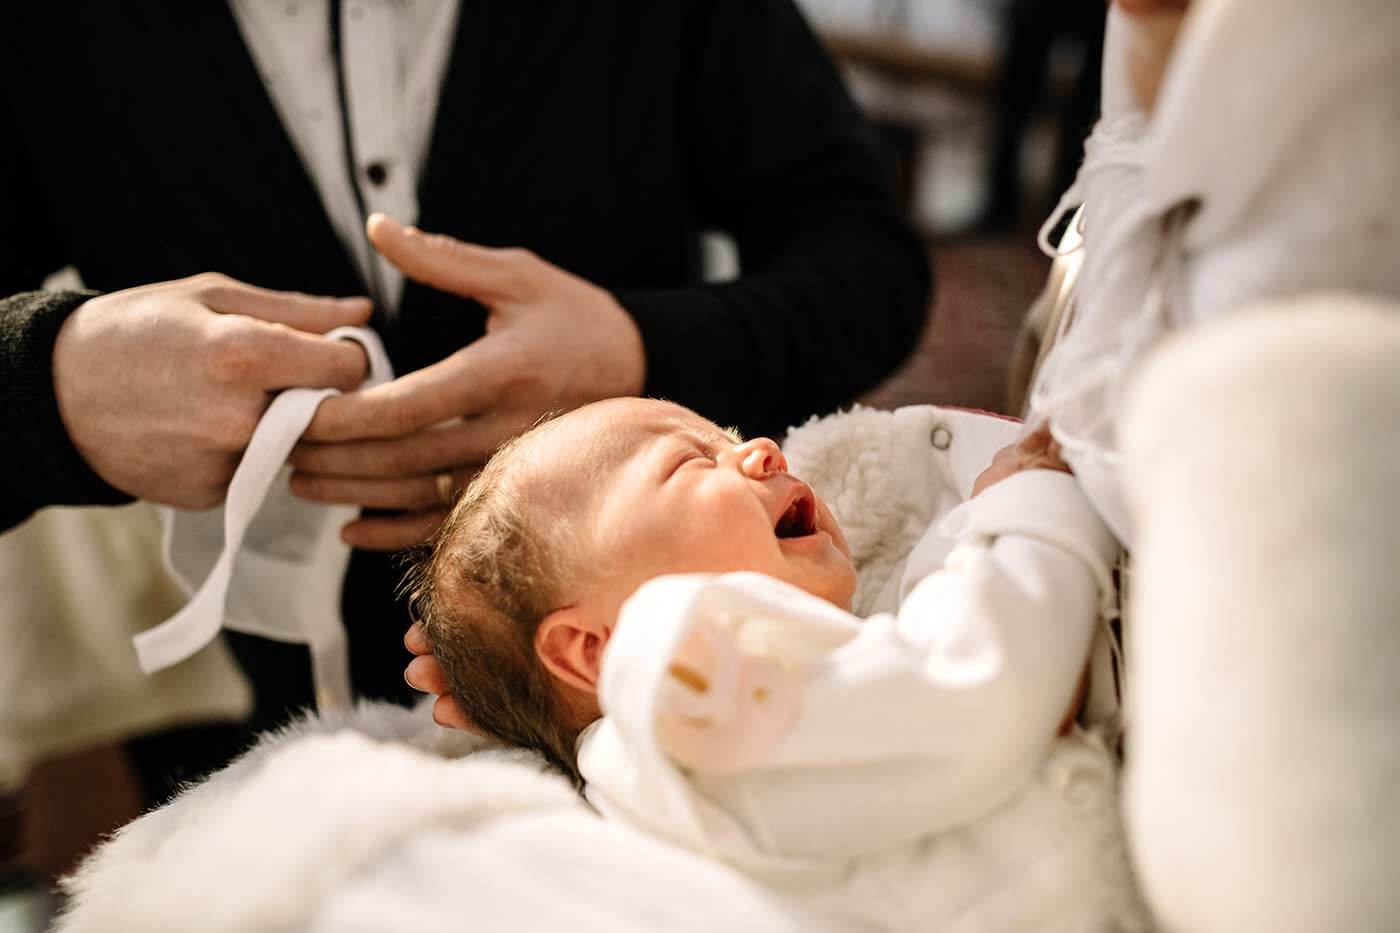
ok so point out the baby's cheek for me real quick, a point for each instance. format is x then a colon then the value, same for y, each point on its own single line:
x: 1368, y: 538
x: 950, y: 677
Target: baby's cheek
x: 838, y: 537
x: 845, y: 588
x: 716, y: 538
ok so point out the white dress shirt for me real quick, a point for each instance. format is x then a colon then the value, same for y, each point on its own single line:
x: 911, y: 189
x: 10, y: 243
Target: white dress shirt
x: 395, y: 54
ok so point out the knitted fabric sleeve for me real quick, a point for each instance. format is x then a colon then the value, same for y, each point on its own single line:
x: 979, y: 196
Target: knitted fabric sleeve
x: 834, y: 284
x: 41, y: 466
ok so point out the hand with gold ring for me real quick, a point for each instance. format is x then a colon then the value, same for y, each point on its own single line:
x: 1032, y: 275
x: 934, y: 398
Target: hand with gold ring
x: 426, y: 500
x: 553, y: 342
x: 446, y: 488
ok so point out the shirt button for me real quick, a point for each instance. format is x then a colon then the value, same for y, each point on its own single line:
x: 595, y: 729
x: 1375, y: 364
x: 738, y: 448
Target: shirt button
x: 377, y: 173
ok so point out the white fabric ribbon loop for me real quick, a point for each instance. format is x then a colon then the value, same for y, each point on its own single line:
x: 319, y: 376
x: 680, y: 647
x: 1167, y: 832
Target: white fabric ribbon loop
x: 267, y: 563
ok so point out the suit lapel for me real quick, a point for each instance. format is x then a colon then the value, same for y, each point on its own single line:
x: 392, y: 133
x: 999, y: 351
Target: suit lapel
x: 452, y: 162
x: 432, y: 324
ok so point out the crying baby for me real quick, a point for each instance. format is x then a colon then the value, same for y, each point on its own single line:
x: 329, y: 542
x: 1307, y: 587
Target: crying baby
x: 522, y: 589
x: 659, y: 609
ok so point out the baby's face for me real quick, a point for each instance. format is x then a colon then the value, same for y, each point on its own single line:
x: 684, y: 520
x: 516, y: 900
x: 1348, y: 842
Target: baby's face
x: 688, y: 497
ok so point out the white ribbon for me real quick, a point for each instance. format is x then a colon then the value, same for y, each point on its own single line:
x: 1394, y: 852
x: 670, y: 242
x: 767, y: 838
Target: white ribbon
x: 267, y: 563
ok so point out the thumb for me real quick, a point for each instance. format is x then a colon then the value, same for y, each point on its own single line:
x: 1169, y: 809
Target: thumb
x: 487, y: 275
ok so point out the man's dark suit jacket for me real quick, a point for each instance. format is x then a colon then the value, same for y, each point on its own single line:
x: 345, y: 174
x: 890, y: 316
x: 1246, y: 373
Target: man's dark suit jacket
x: 140, y: 146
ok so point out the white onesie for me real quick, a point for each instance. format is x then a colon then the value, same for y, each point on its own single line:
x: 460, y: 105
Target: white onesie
x: 901, y: 771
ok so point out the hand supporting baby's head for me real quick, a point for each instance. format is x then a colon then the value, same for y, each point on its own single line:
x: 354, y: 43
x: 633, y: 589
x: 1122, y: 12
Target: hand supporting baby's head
x: 521, y: 587
x: 480, y: 589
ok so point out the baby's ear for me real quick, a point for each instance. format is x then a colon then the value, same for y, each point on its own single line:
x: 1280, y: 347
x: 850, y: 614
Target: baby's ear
x: 569, y: 643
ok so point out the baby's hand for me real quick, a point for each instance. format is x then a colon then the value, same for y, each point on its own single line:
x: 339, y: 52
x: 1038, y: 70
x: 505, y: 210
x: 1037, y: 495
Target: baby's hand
x: 1036, y: 451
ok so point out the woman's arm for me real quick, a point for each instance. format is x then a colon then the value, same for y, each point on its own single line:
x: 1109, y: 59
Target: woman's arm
x: 43, y: 467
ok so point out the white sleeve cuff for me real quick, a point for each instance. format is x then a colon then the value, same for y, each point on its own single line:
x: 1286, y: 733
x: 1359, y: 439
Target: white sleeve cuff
x: 1043, y: 504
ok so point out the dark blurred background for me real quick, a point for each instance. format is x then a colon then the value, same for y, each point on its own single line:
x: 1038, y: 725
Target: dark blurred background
x: 987, y: 104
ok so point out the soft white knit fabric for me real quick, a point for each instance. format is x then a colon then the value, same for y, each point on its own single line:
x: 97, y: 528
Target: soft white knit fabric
x: 1262, y: 458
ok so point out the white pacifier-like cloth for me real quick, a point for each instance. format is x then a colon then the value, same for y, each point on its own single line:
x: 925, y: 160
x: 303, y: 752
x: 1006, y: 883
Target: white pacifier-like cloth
x: 267, y: 563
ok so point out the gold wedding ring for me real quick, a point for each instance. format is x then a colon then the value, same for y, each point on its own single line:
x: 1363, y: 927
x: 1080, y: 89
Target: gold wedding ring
x: 446, y: 488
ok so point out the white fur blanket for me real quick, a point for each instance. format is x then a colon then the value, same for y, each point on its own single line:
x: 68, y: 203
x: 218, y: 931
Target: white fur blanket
x: 366, y: 822
x: 1264, y: 464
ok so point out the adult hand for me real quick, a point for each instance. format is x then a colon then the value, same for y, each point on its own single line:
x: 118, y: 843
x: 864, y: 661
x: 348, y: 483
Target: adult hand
x: 160, y: 387
x: 553, y: 342
x: 1036, y: 451
x: 425, y: 674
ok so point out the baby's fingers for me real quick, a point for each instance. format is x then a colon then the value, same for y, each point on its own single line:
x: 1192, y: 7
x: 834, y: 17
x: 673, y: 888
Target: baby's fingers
x: 1036, y: 441
x: 1048, y: 462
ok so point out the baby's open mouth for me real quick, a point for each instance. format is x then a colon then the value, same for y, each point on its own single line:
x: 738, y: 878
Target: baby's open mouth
x: 800, y: 518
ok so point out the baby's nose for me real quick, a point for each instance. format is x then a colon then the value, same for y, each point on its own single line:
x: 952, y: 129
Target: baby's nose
x: 761, y: 458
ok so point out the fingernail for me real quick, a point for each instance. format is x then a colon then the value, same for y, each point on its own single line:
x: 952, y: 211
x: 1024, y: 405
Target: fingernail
x: 410, y: 683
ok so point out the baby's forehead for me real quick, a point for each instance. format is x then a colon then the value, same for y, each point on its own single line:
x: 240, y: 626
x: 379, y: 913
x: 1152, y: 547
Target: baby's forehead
x: 618, y: 429
x: 566, y: 466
